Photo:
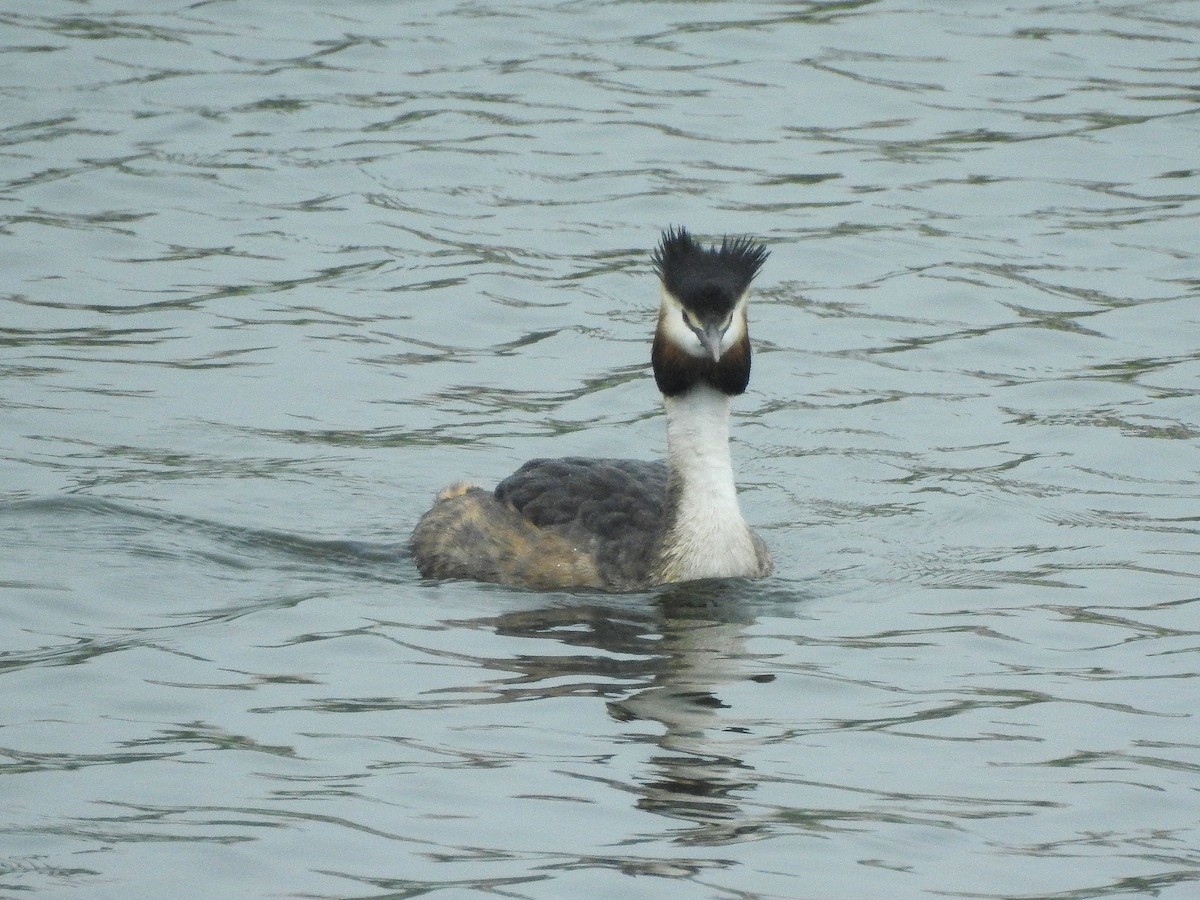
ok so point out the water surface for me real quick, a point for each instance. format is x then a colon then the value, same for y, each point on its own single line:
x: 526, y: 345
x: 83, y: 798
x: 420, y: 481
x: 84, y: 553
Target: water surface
x: 273, y: 274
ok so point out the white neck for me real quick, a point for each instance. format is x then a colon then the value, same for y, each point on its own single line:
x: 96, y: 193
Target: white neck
x: 708, y: 537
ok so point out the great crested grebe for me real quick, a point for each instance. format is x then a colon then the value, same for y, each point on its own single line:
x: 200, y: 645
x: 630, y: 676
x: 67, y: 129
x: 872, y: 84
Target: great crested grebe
x: 627, y: 524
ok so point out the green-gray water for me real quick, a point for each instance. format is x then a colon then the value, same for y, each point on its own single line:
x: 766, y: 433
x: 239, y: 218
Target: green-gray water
x: 271, y: 274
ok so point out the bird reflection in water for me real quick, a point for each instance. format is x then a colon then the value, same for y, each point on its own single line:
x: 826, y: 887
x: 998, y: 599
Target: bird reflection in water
x: 677, y: 654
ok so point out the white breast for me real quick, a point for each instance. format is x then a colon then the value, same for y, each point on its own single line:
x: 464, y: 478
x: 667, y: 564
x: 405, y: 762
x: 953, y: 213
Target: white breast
x: 709, y: 537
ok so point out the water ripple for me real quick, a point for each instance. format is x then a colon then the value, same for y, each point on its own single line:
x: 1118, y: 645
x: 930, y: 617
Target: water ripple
x: 271, y: 281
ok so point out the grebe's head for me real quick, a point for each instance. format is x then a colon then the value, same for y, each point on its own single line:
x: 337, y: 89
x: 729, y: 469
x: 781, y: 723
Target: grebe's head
x: 702, y: 335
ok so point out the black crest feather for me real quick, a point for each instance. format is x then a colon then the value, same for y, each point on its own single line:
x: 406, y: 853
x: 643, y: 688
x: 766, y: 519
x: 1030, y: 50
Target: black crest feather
x: 707, y: 280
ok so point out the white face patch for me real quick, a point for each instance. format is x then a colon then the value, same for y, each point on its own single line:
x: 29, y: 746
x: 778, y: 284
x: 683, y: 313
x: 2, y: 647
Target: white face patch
x: 680, y: 327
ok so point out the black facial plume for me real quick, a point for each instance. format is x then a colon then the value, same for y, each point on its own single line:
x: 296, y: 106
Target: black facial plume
x: 707, y: 280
